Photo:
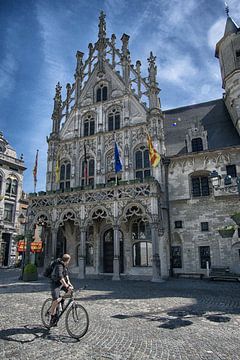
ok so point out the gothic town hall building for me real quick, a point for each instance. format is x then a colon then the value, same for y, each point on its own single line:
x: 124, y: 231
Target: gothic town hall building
x: 148, y: 223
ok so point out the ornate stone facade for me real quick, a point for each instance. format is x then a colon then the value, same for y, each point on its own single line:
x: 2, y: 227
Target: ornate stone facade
x: 11, y: 206
x: 142, y: 222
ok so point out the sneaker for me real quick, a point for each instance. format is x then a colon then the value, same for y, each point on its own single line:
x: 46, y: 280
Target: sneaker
x: 54, y: 320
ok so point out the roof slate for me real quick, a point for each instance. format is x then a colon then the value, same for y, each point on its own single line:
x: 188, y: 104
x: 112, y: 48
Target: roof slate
x: 214, y: 117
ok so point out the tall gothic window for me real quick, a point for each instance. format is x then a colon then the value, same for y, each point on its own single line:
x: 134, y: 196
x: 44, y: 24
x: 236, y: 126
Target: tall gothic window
x: 11, y: 187
x: 65, y: 176
x: 89, y: 125
x: 101, y: 93
x: 197, y: 145
x: 0, y: 184
x: 88, y: 172
x: 8, y: 212
x: 142, y: 247
x: 114, y: 120
x: 142, y: 163
x: 200, y: 186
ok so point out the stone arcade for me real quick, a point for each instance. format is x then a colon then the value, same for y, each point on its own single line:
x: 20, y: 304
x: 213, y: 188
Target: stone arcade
x: 149, y: 221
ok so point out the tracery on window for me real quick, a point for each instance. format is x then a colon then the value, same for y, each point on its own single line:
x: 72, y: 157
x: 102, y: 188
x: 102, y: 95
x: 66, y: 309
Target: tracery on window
x: 89, y: 125
x: 101, y: 93
x: 65, y: 175
x: 114, y: 119
x: 88, y: 172
x: 142, y: 163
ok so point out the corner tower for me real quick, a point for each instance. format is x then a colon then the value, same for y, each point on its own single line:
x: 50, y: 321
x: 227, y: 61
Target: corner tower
x: 228, y: 53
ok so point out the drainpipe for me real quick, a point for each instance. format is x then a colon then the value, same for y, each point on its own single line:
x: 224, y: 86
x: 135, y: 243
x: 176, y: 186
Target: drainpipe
x: 166, y: 162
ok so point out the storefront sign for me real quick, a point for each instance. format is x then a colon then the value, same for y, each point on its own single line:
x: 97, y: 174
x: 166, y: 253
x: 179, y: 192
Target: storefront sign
x: 21, y: 246
x: 36, y: 246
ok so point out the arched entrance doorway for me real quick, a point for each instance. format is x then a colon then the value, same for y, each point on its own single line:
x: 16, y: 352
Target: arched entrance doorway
x: 108, y: 251
x: 61, y: 244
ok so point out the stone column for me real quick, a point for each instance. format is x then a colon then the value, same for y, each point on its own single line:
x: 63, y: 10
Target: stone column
x: 116, y: 265
x: 82, y: 255
x: 54, y: 232
x: 156, y: 273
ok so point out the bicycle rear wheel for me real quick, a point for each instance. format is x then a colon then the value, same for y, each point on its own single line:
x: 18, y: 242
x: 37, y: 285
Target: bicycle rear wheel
x: 45, y: 314
x: 77, y: 321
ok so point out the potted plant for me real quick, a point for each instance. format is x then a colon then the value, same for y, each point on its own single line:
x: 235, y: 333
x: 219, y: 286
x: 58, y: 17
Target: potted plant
x: 30, y: 273
x: 236, y: 218
x: 227, y: 231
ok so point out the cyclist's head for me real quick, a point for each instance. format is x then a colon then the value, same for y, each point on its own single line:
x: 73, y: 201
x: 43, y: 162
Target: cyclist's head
x: 66, y: 258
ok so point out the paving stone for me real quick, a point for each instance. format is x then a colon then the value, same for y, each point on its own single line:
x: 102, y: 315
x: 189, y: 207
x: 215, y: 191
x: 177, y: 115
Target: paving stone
x: 178, y: 319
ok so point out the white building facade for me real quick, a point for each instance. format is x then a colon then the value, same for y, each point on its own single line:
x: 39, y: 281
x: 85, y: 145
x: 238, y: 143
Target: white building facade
x: 148, y: 222
x: 11, y: 179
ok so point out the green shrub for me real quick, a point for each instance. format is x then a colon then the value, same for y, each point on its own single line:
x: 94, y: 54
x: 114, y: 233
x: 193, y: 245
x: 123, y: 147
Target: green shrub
x: 30, y: 269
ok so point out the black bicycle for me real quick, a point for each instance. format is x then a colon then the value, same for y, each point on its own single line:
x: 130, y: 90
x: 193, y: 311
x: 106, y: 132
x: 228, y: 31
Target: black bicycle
x: 76, y: 320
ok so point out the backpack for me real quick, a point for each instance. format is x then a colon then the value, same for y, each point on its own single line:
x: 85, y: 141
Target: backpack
x: 49, y: 269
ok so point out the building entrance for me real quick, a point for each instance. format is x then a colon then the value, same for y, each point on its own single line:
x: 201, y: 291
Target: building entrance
x: 108, y: 251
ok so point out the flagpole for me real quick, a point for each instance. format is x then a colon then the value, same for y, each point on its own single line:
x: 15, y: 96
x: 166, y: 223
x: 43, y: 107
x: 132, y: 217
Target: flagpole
x: 35, y: 172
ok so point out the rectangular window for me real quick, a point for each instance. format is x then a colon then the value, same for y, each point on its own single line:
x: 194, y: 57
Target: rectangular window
x: 197, y: 145
x: 85, y: 132
x: 8, y: 212
x: 204, y: 226
x: 176, y: 257
x: 231, y: 170
x: 204, y: 252
x: 200, y: 186
x: 178, y: 224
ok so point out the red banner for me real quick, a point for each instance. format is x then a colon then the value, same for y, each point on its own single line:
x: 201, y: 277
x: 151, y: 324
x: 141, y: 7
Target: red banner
x: 21, y: 247
x: 36, y: 246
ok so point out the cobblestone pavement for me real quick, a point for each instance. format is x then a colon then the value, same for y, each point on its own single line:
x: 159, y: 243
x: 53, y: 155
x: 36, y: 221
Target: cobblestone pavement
x: 178, y: 319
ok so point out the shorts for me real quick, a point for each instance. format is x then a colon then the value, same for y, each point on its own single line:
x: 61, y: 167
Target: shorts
x: 55, y: 290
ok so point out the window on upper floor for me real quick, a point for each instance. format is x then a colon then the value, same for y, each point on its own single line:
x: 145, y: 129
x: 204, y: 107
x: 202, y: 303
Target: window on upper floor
x: 8, y: 212
x: 65, y: 176
x: 89, y: 125
x: 200, y: 186
x: 142, y: 163
x: 197, y: 144
x: 88, y: 172
x: 11, y: 187
x: 231, y: 170
x: 204, y: 226
x: 0, y: 184
x: 114, y: 119
x: 101, y: 93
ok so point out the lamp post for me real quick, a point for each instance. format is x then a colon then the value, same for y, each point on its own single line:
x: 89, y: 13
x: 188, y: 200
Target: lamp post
x: 229, y: 186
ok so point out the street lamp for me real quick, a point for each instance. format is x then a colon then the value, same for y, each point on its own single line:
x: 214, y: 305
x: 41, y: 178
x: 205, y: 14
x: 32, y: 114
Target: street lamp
x: 229, y: 186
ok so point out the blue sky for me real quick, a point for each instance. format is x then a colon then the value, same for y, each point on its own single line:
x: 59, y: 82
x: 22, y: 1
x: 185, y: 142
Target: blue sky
x: 39, y: 40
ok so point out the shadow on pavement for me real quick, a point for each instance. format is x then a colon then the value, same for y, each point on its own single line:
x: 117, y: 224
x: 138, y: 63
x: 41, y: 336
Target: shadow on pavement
x: 30, y: 333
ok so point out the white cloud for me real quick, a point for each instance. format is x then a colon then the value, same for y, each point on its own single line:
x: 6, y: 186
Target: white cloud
x: 216, y: 32
x: 178, y: 70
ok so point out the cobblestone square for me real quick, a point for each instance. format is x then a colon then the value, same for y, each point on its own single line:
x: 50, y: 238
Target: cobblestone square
x: 176, y: 319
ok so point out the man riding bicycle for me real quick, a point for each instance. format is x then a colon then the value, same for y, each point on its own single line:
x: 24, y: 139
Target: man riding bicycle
x: 59, y: 281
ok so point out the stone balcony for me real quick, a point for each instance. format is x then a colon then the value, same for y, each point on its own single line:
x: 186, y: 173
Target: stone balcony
x: 131, y: 189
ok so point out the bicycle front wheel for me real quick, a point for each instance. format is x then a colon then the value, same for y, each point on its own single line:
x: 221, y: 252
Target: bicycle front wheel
x: 77, y: 321
x: 45, y: 312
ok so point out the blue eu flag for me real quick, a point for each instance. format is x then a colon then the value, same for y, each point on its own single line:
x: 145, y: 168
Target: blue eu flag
x: 118, y: 164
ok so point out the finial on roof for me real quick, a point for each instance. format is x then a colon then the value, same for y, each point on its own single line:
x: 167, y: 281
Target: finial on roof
x: 227, y: 9
x: 102, y: 26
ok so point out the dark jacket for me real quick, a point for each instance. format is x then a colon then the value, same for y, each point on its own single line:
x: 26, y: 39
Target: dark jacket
x: 60, y: 271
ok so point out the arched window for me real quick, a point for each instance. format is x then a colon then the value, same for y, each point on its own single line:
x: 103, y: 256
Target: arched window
x: 89, y: 125
x: 142, y: 163
x: 11, y: 187
x: 65, y: 176
x: 88, y: 172
x: 197, y: 144
x: 114, y: 120
x: 142, y: 247
x: 200, y: 186
x: 101, y: 93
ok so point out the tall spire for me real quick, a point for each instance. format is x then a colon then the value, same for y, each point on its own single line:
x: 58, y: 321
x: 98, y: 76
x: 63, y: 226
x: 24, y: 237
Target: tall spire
x: 152, y: 81
x: 56, y: 115
x: 102, y: 43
